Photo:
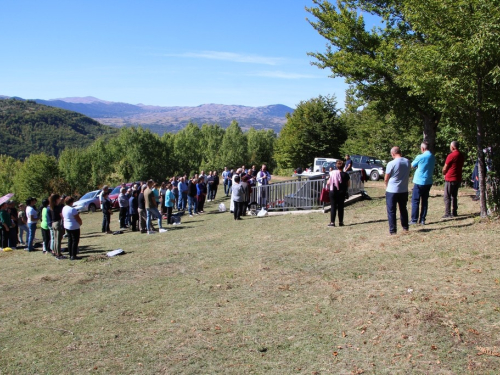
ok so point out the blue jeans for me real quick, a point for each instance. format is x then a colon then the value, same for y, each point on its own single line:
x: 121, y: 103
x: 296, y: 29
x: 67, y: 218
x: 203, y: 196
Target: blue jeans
x: 419, y: 194
x: 392, y: 200
x: 192, y: 202
x: 151, y: 212
x: 227, y: 187
x: 182, y: 201
x: 31, y: 236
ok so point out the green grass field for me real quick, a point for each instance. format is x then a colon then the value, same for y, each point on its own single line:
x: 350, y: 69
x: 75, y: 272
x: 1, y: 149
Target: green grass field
x: 275, y: 295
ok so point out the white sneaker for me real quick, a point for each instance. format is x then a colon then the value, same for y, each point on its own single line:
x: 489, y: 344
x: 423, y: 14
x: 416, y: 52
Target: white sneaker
x: 191, y: 216
x: 176, y: 224
x: 152, y: 232
x: 162, y: 230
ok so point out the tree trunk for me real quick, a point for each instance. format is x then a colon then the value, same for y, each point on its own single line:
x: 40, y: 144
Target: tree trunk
x: 480, y: 153
x: 430, y: 127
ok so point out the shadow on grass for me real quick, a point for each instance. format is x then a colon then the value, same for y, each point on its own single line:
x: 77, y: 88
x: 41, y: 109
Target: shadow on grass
x: 446, y: 227
x: 86, y: 249
x: 366, y: 222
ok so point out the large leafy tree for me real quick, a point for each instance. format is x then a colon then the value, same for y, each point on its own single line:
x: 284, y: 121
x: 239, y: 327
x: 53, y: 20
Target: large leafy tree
x: 458, y: 63
x: 314, y: 129
x: 234, y: 147
x: 36, y: 176
x: 8, y: 169
x: 211, y: 142
x: 261, y: 147
x: 369, y: 59
x: 187, y: 149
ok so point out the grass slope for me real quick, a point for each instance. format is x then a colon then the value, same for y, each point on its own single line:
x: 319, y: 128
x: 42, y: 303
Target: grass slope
x: 30, y: 128
x: 279, y: 295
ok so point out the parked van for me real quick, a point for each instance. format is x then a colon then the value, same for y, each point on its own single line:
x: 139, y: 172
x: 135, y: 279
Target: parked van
x: 318, y: 163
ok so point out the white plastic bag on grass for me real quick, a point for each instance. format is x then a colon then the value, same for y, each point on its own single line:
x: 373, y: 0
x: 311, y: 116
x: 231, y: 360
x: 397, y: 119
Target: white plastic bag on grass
x: 222, y: 207
x: 262, y: 213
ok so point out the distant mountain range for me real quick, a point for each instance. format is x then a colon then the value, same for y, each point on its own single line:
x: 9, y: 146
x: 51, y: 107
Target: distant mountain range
x: 172, y: 119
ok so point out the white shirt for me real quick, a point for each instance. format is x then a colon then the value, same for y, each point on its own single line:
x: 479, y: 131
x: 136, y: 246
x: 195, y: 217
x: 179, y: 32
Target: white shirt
x: 30, y: 211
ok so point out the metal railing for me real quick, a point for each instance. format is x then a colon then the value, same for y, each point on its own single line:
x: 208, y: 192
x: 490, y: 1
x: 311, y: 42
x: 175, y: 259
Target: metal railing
x: 298, y: 194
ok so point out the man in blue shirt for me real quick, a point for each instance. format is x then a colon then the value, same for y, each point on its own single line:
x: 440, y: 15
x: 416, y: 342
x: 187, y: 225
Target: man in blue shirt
x: 422, y: 180
x: 396, y: 179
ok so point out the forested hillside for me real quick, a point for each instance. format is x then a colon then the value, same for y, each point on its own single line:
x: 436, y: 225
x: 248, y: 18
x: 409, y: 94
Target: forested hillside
x: 30, y: 128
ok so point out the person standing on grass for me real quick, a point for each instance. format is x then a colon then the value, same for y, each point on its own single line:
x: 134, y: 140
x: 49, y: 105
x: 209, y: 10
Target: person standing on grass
x: 348, y: 163
x: 141, y: 209
x: 192, y: 199
x: 183, y: 190
x: 215, y: 185
x: 123, y: 203
x: 105, y: 188
x: 210, y: 186
x: 263, y: 179
x: 175, y: 190
x: 107, y: 211
x: 151, y: 208
x: 32, y: 217
x: 396, y: 179
x: 201, y: 192
x: 225, y: 180
x: 169, y: 202
x: 22, y: 222
x: 72, y: 224
x: 13, y: 233
x: 133, y: 209
x: 5, y: 223
x: 45, y: 227
x: 55, y: 225
x: 452, y: 172
x: 337, y: 185
x: 238, y: 193
x: 422, y: 183
x: 163, y: 190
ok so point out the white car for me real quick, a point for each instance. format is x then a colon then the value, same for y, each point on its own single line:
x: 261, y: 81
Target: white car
x: 88, y: 202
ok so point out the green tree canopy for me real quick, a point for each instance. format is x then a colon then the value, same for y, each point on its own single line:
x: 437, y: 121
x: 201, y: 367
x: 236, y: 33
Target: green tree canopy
x: 234, y: 147
x: 35, y: 177
x: 315, y: 129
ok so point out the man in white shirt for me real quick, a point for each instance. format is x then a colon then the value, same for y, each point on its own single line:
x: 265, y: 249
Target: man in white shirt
x: 263, y: 179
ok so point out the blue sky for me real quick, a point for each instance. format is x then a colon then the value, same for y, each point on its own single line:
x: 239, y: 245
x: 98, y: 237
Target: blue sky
x: 163, y: 52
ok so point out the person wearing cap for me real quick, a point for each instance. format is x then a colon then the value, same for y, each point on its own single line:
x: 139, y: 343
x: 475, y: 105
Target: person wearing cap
x: 5, y: 223
x: 32, y: 216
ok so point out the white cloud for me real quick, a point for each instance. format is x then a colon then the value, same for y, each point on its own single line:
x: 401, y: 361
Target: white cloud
x: 282, y: 75
x: 230, y: 56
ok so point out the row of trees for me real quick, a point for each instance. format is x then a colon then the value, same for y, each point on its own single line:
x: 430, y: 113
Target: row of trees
x: 136, y: 154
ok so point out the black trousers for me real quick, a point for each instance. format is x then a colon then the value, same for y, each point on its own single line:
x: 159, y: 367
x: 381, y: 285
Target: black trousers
x: 5, y: 237
x: 337, y: 199
x: 133, y: 220
x: 73, y: 241
x: 46, y: 239
x: 238, y: 209
x: 123, y: 216
x: 450, y: 197
x: 13, y: 239
x: 169, y: 215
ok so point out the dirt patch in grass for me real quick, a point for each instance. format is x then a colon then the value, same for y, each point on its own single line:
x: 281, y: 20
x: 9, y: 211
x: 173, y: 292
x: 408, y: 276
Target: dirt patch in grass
x: 280, y: 295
